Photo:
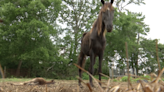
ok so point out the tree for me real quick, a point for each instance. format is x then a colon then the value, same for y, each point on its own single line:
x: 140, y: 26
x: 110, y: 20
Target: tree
x: 127, y: 28
x: 122, y: 4
x: 27, y: 30
x: 149, y: 55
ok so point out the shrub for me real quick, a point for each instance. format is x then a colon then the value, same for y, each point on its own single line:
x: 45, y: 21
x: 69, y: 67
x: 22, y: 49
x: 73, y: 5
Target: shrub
x: 85, y: 76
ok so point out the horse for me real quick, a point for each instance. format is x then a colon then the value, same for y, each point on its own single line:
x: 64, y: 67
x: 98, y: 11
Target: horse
x: 93, y: 42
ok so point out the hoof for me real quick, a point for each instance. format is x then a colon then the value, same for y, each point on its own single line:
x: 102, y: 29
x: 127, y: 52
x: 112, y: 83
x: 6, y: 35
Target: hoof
x: 92, y: 85
x: 80, y: 86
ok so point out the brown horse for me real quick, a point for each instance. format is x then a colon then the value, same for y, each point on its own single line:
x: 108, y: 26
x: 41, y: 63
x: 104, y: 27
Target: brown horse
x: 93, y: 42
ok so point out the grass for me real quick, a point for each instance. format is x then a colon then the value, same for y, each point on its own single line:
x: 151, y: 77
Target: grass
x: 14, y: 79
x: 17, y: 79
x: 86, y: 77
x: 123, y: 79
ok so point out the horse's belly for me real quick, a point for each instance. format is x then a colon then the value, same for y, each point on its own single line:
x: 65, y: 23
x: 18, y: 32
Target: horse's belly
x: 85, y: 49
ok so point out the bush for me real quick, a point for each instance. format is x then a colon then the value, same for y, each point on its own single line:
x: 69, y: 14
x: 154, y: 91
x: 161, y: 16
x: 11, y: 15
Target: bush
x: 85, y: 76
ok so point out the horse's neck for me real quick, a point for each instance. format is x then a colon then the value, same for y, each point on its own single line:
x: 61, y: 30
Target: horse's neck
x: 102, y: 28
x: 95, y: 29
x: 102, y: 33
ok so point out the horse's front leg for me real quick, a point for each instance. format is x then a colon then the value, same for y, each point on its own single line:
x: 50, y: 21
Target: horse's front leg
x: 100, y: 65
x: 91, y: 69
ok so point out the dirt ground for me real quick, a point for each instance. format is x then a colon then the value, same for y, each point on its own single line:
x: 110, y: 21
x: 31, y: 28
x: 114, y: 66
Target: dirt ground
x: 59, y: 86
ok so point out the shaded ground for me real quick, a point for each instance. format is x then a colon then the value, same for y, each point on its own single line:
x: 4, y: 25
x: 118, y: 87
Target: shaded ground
x: 59, y: 86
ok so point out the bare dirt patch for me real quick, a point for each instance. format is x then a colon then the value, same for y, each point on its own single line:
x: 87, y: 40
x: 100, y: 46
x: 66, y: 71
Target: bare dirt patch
x: 59, y: 86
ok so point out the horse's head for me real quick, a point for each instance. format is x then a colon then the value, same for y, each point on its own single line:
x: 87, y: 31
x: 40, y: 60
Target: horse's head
x: 107, y: 15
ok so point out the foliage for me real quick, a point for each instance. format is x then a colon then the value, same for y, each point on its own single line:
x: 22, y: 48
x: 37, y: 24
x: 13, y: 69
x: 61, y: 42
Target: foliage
x: 150, y: 55
x: 25, y: 33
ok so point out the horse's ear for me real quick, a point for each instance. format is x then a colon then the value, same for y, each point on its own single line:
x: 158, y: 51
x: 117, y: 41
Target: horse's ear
x: 111, y: 1
x: 102, y: 1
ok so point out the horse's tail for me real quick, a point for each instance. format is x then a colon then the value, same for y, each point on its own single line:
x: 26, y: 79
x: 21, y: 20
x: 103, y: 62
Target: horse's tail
x: 81, y: 60
x: 83, y: 36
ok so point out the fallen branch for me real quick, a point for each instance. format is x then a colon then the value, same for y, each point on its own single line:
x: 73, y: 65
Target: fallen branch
x: 104, y: 75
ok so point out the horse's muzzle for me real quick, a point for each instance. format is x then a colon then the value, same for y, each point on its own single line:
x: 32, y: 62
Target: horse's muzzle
x: 109, y: 28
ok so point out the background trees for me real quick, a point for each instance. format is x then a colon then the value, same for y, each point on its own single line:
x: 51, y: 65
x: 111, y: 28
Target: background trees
x: 25, y: 33
x: 42, y: 38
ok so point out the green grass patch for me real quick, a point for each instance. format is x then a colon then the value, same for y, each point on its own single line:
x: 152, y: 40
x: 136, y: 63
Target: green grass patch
x: 143, y: 78
x: 115, y: 80
x: 17, y: 79
x: 86, y: 76
x: 14, y: 79
x: 125, y: 79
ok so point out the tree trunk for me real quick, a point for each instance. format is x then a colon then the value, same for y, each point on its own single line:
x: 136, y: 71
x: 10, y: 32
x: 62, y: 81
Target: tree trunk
x: 1, y: 71
x: 18, y: 69
x: 137, y: 54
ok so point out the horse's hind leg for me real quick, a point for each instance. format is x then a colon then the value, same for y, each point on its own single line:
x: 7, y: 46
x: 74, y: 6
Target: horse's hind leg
x: 81, y: 62
x: 91, y: 69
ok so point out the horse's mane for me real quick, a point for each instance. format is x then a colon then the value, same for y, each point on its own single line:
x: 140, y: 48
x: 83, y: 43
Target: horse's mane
x: 98, y: 22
